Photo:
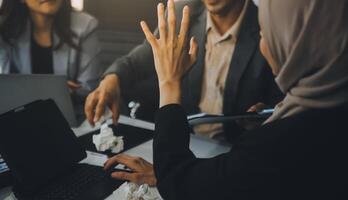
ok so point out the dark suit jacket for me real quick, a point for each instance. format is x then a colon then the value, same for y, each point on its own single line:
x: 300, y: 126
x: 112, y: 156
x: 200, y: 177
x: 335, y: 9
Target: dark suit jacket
x: 249, y: 79
x: 299, y: 157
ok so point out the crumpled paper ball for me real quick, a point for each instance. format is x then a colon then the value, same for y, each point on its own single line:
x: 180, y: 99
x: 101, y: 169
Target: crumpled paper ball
x: 132, y: 191
x: 106, y: 140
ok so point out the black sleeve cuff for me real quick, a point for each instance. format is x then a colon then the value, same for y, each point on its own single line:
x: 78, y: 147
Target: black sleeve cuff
x: 172, y: 127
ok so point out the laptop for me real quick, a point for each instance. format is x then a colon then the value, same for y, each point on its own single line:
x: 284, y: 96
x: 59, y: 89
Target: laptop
x: 43, y: 154
x: 17, y: 90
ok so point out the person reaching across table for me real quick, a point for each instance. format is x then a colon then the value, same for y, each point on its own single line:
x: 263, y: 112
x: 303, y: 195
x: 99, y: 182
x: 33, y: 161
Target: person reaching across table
x: 230, y: 76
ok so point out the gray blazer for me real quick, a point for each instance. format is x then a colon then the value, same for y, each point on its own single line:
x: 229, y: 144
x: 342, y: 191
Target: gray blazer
x: 82, y: 66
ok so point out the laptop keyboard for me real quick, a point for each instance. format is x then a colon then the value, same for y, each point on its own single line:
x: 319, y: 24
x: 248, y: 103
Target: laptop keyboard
x: 72, y: 186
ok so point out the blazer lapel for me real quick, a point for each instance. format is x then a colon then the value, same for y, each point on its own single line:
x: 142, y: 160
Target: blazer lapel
x: 246, y: 46
x: 195, y: 77
x: 60, y: 58
x: 23, y: 60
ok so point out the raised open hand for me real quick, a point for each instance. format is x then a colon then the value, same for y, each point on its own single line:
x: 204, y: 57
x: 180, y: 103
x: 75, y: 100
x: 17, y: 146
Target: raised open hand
x: 172, y: 59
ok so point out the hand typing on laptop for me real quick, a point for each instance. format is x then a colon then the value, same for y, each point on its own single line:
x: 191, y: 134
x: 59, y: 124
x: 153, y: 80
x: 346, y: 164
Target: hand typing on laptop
x: 142, y: 171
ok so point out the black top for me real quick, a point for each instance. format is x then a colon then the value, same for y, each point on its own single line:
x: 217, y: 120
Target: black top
x: 41, y: 59
x: 299, y: 157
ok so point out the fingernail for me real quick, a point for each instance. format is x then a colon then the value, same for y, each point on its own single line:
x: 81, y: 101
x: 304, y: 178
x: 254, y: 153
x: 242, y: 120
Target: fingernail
x: 96, y: 120
x: 193, y: 39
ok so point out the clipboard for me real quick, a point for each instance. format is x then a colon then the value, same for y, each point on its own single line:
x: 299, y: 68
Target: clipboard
x: 203, y: 118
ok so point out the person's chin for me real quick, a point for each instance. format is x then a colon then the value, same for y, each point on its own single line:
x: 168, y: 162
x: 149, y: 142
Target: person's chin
x: 216, y: 9
x: 212, y: 2
x: 49, y: 8
x: 49, y: 11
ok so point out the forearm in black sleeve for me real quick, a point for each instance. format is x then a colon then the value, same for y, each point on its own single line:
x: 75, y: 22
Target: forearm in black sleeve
x: 239, y: 174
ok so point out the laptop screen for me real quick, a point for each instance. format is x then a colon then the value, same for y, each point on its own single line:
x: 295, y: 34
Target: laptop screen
x: 38, y: 145
x: 30, y: 87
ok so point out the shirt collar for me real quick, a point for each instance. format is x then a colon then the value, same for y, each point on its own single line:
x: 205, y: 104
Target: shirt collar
x: 232, y: 32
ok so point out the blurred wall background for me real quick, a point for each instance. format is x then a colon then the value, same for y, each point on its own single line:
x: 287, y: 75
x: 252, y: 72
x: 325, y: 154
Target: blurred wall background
x: 119, y: 28
x: 123, y: 14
